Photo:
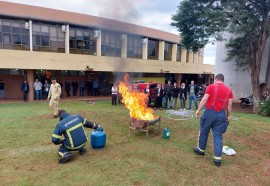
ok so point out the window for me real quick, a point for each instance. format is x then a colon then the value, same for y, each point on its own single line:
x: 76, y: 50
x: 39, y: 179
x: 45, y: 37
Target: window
x: 111, y: 44
x: 153, y: 49
x: 168, y: 52
x: 48, y: 38
x: 82, y: 41
x: 178, y: 53
x: 13, y: 35
x: 134, y: 47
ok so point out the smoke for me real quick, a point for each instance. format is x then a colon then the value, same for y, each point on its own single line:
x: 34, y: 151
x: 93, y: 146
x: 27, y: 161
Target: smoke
x: 121, y: 10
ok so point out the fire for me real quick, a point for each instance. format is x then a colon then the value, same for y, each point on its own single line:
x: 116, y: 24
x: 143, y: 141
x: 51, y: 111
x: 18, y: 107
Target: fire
x: 136, y: 103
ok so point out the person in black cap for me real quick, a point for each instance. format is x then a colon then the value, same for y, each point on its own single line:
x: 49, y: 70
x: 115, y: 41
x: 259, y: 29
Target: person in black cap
x: 75, y: 138
x: 54, y: 96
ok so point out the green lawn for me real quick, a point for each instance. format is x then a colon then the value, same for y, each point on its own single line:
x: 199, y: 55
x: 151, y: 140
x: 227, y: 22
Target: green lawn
x: 27, y: 156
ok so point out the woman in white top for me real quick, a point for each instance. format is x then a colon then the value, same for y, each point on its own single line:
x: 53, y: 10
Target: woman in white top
x: 114, y: 94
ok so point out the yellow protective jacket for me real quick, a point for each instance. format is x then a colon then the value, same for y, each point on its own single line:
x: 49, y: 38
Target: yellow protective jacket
x: 55, y: 91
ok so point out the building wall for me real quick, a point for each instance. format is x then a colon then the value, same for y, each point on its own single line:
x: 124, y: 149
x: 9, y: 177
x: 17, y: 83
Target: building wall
x: 238, y: 80
x: 61, y: 61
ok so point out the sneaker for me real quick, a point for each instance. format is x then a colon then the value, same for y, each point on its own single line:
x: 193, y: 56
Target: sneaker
x: 155, y: 108
x: 217, y: 163
x: 160, y: 108
x: 181, y: 109
x: 82, y: 151
x: 66, y: 158
x: 184, y: 109
x: 197, y: 151
x: 55, y: 116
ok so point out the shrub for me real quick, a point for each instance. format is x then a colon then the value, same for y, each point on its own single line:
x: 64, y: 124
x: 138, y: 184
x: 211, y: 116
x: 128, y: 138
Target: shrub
x: 265, y: 108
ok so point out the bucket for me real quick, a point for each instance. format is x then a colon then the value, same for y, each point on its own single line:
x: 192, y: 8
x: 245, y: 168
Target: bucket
x: 166, y: 133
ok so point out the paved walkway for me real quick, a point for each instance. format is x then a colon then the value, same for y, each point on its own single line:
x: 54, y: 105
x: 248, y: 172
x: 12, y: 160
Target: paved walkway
x: 84, y: 98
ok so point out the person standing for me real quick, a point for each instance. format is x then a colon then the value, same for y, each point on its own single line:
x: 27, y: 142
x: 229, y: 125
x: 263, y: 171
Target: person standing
x: 175, y: 92
x: 114, y: 94
x: 46, y: 88
x: 54, y: 96
x: 168, y: 92
x: 2, y: 90
x: 82, y: 85
x: 218, y: 99
x: 95, y: 86
x: 183, y: 96
x: 38, y: 89
x: 158, y: 97
x: 74, y: 85
x: 71, y: 128
x: 67, y: 87
x: 192, y: 92
x: 25, y: 89
x: 89, y: 86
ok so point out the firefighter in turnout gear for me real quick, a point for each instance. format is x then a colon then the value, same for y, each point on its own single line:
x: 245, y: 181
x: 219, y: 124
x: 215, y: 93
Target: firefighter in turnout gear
x: 71, y: 127
x: 54, y: 96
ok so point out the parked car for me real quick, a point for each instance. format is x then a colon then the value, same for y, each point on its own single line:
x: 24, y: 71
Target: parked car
x: 142, y: 86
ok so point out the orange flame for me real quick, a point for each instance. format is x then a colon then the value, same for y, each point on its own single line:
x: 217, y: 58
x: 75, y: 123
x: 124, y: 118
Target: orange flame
x: 136, y: 103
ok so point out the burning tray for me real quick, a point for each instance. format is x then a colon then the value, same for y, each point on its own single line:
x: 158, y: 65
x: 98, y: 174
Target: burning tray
x: 143, y: 125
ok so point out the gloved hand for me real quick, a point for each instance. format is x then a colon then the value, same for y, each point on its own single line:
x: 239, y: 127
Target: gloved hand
x: 98, y: 126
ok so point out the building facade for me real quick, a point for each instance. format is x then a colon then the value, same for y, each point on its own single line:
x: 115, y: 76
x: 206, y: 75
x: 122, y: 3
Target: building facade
x: 41, y: 43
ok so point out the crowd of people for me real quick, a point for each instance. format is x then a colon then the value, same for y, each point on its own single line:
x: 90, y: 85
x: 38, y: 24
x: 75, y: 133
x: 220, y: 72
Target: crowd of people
x: 166, y: 96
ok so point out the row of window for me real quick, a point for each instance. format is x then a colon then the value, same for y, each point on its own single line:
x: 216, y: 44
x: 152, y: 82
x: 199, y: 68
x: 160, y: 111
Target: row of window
x: 51, y: 38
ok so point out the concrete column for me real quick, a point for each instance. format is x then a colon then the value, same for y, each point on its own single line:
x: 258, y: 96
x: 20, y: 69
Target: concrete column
x: 30, y: 80
x: 98, y: 41
x: 178, y: 79
x: 31, y: 35
x: 174, y: 52
x: 196, y: 57
x: 190, y: 56
x: 184, y: 55
x: 67, y: 39
x: 161, y: 50
x: 124, y: 46
x: 145, y: 48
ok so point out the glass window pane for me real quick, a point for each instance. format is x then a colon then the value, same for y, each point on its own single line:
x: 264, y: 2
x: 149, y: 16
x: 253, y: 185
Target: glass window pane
x: 53, y: 31
x: 36, y: 40
x: 73, y: 73
x: 61, y: 34
x: 25, y: 39
x: 36, y: 29
x: 14, y: 72
x: 45, y: 41
x: 16, y: 39
x: 6, y: 38
x: 71, y: 33
x: 44, y: 30
x: 16, y: 28
x: 79, y: 35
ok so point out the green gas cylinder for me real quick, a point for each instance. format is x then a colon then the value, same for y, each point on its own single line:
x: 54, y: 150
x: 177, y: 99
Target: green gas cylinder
x: 166, y: 133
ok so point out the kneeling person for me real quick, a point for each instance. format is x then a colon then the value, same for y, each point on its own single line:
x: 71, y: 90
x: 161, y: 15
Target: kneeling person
x: 75, y: 138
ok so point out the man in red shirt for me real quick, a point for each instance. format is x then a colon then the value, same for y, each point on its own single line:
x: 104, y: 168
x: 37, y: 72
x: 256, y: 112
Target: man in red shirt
x: 218, y: 99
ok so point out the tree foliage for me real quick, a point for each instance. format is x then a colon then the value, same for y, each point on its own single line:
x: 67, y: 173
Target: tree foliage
x: 204, y: 21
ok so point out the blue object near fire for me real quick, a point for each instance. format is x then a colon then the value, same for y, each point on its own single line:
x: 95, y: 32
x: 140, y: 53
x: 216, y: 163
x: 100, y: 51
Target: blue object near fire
x: 98, y: 138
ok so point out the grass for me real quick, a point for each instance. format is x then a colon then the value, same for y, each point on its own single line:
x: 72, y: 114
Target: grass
x: 27, y: 156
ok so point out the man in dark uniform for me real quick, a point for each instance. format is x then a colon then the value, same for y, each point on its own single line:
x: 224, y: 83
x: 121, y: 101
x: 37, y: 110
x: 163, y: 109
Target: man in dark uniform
x: 75, y: 138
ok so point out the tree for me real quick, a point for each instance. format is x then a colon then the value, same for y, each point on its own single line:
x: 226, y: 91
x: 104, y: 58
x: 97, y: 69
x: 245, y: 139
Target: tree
x: 204, y: 21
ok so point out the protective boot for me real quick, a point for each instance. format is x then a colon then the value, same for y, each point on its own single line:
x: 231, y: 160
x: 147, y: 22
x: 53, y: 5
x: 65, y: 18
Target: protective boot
x: 66, y: 157
x: 82, y: 151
